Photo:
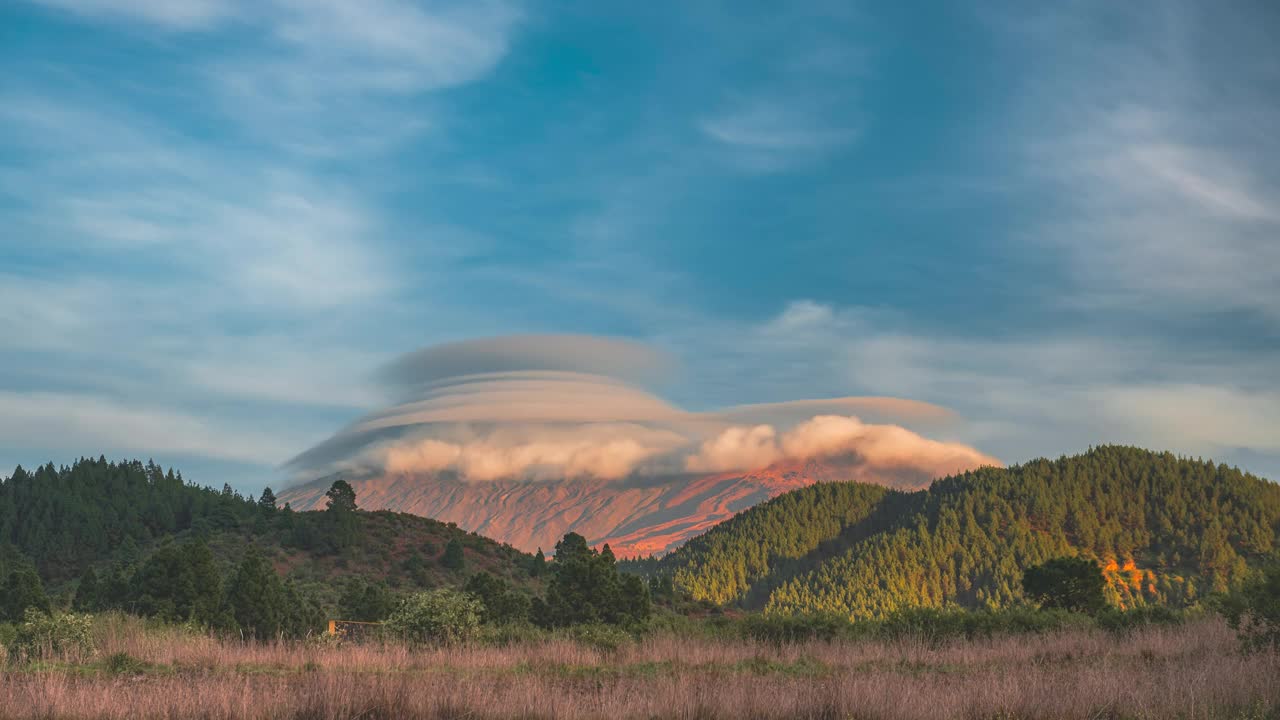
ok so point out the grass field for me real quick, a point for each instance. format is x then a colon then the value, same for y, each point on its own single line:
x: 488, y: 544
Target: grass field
x: 1191, y: 671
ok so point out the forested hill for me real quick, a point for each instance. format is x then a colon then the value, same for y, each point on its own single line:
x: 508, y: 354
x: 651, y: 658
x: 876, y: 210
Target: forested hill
x: 110, y: 517
x: 1165, y: 529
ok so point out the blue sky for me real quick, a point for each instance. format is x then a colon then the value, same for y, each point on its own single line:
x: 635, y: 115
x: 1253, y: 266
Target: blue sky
x: 221, y: 217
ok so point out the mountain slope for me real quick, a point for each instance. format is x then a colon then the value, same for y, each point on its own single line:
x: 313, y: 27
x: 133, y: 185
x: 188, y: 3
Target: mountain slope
x: 1166, y: 529
x: 725, y: 562
x: 636, y: 518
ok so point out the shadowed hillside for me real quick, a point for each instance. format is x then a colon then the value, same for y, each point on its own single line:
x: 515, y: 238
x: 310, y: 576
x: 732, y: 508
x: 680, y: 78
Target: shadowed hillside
x: 112, y: 516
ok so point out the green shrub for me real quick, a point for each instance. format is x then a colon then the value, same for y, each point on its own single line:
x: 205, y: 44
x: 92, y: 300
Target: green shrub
x: 122, y: 663
x: 797, y: 628
x: 1125, y: 621
x: 599, y: 636
x: 42, y: 635
x: 510, y: 634
x: 443, y: 615
x: 933, y: 625
x: 928, y: 624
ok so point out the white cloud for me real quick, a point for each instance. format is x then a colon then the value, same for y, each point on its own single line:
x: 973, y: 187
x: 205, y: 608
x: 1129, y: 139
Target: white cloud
x: 736, y: 448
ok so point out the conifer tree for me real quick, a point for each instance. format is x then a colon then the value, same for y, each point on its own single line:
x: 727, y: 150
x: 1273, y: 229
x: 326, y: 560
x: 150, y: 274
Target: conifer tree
x: 267, y: 501
x: 255, y: 597
x: 454, y: 559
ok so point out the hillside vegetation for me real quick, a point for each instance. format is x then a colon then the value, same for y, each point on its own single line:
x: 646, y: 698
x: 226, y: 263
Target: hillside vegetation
x: 1166, y: 530
x: 105, y: 520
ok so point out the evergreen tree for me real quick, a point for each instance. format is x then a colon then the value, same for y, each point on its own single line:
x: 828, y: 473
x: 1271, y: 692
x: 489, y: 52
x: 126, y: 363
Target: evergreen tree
x: 1070, y: 583
x: 302, y: 613
x: 415, y: 567
x: 268, y: 501
x: 365, y: 601
x: 341, y: 497
x: 502, y: 603
x: 86, y: 599
x: 255, y: 597
x: 340, y: 510
x: 586, y: 587
x: 94, y: 512
x: 20, y: 589
x: 178, y: 582
x: 453, y: 556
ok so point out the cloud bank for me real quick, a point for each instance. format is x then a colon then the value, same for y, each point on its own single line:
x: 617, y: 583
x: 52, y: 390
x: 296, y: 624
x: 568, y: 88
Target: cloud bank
x: 539, y: 407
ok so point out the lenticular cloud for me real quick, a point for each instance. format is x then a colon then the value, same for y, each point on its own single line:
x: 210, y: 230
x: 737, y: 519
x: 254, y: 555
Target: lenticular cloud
x: 543, y: 407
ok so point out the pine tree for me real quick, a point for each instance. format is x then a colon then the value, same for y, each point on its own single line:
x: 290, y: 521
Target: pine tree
x: 21, y: 589
x: 268, y: 501
x: 586, y: 587
x: 86, y: 599
x: 340, y: 511
x: 255, y: 597
x: 453, y: 556
x: 341, y: 497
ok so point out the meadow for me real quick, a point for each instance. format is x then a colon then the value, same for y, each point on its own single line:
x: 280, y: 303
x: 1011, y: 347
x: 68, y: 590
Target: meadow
x: 139, y: 669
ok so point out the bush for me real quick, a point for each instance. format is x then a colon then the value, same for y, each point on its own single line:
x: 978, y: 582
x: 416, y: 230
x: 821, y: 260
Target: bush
x: 511, y: 634
x: 502, y: 603
x: 58, y: 634
x: 1125, y: 621
x: 443, y: 615
x: 599, y: 636
x: 797, y: 628
x: 1253, y: 611
x: 122, y: 663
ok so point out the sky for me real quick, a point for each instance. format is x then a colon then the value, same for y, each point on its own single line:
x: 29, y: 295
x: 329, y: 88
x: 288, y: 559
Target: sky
x: 221, y: 220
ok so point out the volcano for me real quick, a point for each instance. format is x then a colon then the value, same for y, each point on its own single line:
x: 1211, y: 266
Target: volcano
x: 636, y: 517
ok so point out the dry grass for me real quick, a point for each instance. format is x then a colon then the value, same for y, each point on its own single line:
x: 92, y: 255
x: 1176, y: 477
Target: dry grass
x: 1194, y: 671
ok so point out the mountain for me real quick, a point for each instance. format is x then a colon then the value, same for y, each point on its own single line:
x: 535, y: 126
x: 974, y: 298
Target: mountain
x: 1165, y: 530
x: 637, y: 517
x: 113, y: 516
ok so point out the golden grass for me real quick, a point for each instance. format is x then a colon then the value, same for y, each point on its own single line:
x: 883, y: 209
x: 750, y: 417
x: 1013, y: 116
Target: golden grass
x: 1193, y: 671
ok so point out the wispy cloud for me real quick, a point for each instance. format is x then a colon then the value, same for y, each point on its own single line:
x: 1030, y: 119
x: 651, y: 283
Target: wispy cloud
x: 804, y: 104
x: 170, y: 14
x: 775, y: 128
x: 270, y: 236
x: 1163, y: 184
x: 225, y: 277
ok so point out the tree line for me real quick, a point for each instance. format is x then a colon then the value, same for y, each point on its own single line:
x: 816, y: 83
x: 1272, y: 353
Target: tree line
x: 162, y: 565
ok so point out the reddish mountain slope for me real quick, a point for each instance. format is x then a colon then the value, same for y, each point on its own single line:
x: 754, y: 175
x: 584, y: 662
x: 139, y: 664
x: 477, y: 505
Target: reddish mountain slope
x: 635, y: 518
